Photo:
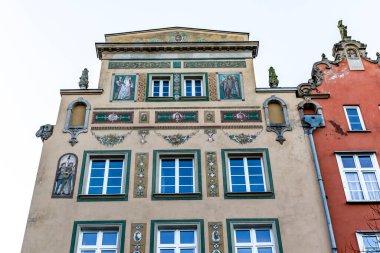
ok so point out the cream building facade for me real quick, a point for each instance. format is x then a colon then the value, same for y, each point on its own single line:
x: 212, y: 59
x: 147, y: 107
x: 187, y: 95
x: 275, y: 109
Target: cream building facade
x: 176, y: 151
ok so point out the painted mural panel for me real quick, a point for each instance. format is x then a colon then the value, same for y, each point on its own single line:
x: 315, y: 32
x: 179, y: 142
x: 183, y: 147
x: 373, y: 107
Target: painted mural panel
x: 230, y: 86
x: 65, y: 176
x: 124, y: 87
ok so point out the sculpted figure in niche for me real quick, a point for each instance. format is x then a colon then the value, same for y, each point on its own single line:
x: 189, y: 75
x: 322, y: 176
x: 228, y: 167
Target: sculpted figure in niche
x: 351, y: 53
x: 65, y: 176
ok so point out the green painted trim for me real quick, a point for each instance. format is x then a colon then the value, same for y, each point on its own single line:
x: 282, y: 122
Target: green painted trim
x: 248, y: 195
x: 182, y: 98
x: 95, y: 198
x: 273, y: 221
x: 120, y: 223
x: 181, y: 59
x: 179, y: 222
x: 195, y: 196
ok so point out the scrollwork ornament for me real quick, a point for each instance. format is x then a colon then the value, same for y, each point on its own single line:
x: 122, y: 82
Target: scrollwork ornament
x: 177, y: 139
x: 243, y: 138
x: 110, y: 140
x: 143, y: 133
x: 210, y: 133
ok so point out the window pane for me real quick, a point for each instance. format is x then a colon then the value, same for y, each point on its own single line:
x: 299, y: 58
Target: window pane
x: 113, y: 190
x: 115, y: 173
x: 97, y: 173
x: 168, y: 163
x: 254, y: 162
x: 98, y: 164
x: 114, y: 182
x: 238, y: 180
x: 186, y: 189
x: 243, y: 236
x: 186, y: 171
x: 239, y: 188
x: 365, y: 162
x: 89, y: 238
x: 96, y: 182
x: 186, y: 181
x: 116, y: 164
x: 348, y: 161
x: 95, y: 190
x: 167, y: 172
x: 187, y: 237
x: 168, y: 181
x: 264, y: 250
x: 263, y: 235
x: 166, y: 237
x: 186, y: 163
x: 236, y: 161
x: 244, y: 250
x: 257, y: 188
x: 372, y: 185
x: 255, y: 170
x: 238, y: 171
x: 187, y: 251
x: 167, y: 189
x: 256, y: 180
x: 167, y: 251
x: 109, y: 238
x: 87, y: 251
x: 108, y: 251
x: 371, y: 243
x: 354, y: 186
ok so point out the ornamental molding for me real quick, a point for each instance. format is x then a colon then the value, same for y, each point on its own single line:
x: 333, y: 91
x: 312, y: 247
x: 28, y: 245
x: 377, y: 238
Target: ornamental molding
x: 240, y: 116
x: 176, y: 127
x: 215, y: 237
x: 45, y: 132
x: 212, y: 175
x: 111, y: 117
x: 176, y: 139
x: 138, y: 238
x: 110, y: 140
x: 174, y: 108
x: 141, y: 172
x: 242, y: 138
x: 139, y: 65
x: 214, y: 64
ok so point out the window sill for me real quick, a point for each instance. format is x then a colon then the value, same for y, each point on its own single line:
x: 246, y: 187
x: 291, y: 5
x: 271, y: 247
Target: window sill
x: 102, y: 197
x: 194, y: 98
x: 363, y: 202
x: 249, y: 195
x: 177, y: 196
x: 359, y: 131
x: 157, y: 99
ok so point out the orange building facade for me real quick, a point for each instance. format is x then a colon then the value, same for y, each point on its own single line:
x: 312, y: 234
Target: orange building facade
x: 346, y: 94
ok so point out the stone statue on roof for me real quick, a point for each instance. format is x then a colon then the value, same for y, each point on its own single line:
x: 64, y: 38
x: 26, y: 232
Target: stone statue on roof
x: 273, y: 80
x: 343, y: 31
x: 83, y: 80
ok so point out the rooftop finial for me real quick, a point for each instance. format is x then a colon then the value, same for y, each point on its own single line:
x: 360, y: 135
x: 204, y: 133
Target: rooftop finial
x: 83, y: 80
x: 343, y: 31
x: 324, y: 58
x: 273, y: 80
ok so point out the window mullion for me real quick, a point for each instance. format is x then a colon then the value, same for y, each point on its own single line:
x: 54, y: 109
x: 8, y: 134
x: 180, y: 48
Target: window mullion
x: 176, y: 175
x: 193, y: 87
x: 246, y: 175
x: 105, y: 179
x: 98, y: 241
x: 160, y: 88
x: 361, y: 177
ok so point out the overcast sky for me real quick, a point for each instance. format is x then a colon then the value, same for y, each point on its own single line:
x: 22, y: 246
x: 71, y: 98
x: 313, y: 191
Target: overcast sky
x: 46, y: 44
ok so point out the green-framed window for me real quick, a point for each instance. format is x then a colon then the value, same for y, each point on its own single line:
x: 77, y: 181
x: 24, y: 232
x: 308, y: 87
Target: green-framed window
x: 174, y: 236
x: 254, y: 235
x: 176, y: 174
x: 98, y: 236
x: 247, y: 173
x: 104, y: 175
x: 177, y: 87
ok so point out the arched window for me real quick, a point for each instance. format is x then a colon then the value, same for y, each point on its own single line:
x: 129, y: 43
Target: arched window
x: 77, y: 117
x: 276, y: 116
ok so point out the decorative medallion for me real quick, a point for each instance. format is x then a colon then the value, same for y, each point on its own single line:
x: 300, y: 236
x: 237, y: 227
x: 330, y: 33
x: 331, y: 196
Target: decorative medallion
x: 212, y: 175
x: 141, y: 180
x: 209, y: 117
x: 65, y: 176
x: 210, y: 133
x: 213, y: 64
x: 111, y: 140
x: 138, y: 235
x: 176, y: 117
x: 243, y: 138
x: 241, y: 116
x: 177, y: 86
x: 112, y: 117
x: 143, y: 117
x: 177, y: 139
x: 138, y: 65
x: 45, y: 132
x: 212, y: 86
x: 143, y: 133
x: 215, y: 237
x: 141, y: 89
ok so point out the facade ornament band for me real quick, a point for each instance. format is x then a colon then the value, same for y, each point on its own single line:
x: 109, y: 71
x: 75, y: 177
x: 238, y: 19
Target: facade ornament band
x: 212, y: 173
x: 143, y: 133
x: 177, y: 139
x: 242, y: 138
x: 140, y: 175
x: 45, y: 132
x: 138, y: 235
x: 111, y: 140
x: 215, y: 237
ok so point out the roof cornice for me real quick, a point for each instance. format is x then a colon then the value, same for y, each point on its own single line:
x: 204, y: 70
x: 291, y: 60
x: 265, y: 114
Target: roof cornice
x: 252, y: 46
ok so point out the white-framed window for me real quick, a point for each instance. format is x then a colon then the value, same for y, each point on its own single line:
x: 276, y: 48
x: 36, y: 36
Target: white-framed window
x: 105, y: 176
x: 254, y: 235
x: 360, y: 176
x: 98, y: 241
x: 354, y: 118
x: 177, y: 236
x: 193, y: 86
x: 161, y: 86
x: 177, y: 175
x: 369, y: 241
x: 177, y: 240
x: 246, y: 173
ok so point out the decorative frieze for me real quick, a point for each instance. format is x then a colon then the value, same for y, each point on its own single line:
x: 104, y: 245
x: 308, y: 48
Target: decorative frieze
x: 138, y: 238
x: 141, y: 173
x: 215, y: 235
x: 177, y: 139
x: 241, y: 116
x: 110, y: 140
x: 177, y: 127
x: 65, y: 176
x: 242, y: 138
x: 139, y: 65
x: 214, y: 64
x: 176, y: 117
x: 141, y: 89
x: 112, y: 117
x: 212, y: 175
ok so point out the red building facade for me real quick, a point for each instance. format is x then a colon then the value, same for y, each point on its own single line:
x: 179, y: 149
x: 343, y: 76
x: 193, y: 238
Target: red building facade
x: 346, y: 92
